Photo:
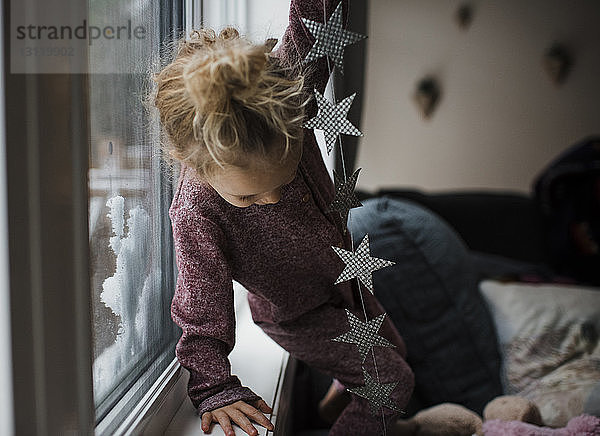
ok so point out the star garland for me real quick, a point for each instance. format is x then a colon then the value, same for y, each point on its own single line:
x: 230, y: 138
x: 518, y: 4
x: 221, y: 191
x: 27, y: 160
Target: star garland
x: 364, y: 334
x: 345, y: 198
x: 331, y: 118
x: 360, y: 264
x: 330, y: 41
x: 377, y: 393
x: 331, y: 38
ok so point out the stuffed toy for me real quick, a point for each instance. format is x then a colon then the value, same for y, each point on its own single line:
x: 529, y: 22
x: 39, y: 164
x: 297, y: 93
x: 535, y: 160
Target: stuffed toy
x: 512, y: 408
x: 442, y: 420
x: 454, y: 420
x: 504, y: 416
x: 582, y: 425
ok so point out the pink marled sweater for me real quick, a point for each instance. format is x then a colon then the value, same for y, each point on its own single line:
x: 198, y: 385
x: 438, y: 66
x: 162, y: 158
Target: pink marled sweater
x: 281, y: 253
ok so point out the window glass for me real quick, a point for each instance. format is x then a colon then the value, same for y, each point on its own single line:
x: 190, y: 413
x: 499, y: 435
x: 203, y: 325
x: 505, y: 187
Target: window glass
x: 257, y: 20
x: 132, y: 277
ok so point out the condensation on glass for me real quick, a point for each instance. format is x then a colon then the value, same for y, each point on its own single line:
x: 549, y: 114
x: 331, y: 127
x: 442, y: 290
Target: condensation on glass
x: 258, y: 21
x: 129, y: 194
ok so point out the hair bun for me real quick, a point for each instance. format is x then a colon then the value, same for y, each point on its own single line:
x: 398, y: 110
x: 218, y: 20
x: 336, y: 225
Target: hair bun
x: 223, y: 97
x: 229, y: 70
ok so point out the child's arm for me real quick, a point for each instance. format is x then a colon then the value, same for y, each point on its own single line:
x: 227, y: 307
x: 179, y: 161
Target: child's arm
x: 297, y: 40
x: 203, y: 307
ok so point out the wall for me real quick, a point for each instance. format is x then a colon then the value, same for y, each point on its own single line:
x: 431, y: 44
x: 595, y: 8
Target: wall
x: 500, y: 118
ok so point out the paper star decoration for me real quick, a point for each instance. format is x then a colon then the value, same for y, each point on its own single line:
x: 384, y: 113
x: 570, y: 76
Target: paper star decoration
x: 331, y: 118
x: 345, y: 198
x: 360, y: 264
x: 331, y: 38
x: 364, y: 334
x: 377, y: 393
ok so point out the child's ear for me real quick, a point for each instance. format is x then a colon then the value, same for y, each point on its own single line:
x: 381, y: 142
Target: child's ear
x: 269, y: 44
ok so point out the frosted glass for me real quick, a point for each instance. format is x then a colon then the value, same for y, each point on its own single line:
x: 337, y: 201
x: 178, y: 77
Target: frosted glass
x: 130, y: 245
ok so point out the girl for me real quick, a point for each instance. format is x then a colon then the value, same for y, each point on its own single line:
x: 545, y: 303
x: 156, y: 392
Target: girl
x: 252, y: 204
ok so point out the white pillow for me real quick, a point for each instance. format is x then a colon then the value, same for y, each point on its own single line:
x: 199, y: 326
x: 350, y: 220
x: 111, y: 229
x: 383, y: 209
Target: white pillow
x: 548, y: 336
x: 526, y: 309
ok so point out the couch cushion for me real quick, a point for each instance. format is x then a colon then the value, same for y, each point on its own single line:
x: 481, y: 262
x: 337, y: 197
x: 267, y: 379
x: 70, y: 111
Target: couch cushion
x: 549, y: 338
x: 431, y: 295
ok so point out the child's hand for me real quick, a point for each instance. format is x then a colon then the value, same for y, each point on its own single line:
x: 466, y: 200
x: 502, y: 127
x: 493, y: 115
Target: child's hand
x: 239, y: 412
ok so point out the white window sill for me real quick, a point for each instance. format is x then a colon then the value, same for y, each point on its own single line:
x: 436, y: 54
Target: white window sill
x: 258, y: 362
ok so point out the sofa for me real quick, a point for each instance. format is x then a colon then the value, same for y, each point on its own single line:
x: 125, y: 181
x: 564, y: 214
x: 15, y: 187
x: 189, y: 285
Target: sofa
x: 481, y: 259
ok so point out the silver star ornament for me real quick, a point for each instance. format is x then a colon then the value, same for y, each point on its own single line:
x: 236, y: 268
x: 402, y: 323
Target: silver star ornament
x: 364, y: 334
x: 331, y: 38
x: 360, y: 264
x: 331, y: 118
x: 377, y: 393
x: 345, y: 198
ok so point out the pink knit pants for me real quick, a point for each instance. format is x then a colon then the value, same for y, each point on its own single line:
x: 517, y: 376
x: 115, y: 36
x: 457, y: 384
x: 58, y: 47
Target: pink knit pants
x: 308, y: 339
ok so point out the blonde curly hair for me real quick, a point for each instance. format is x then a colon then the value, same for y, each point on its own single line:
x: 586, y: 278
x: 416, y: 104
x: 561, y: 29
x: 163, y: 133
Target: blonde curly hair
x: 223, y: 100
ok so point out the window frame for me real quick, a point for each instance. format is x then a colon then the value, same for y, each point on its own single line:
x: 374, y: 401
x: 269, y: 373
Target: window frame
x: 46, y: 146
x: 6, y: 384
x: 47, y: 160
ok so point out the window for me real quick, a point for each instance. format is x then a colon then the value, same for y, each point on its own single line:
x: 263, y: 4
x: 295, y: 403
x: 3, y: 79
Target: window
x: 88, y: 201
x: 267, y: 19
x: 131, y: 251
x: 79, y: 147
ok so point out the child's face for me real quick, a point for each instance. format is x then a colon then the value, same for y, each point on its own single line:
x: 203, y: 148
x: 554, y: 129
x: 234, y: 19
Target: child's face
x: 259, y: 183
